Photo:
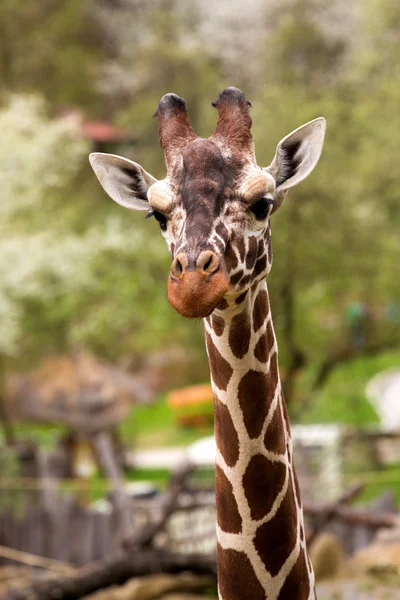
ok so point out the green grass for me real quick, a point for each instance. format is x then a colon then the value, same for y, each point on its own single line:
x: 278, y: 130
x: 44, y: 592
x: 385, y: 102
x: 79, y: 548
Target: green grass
x: 342, y: 399
x: 379, y: 482
x: 156, y: 426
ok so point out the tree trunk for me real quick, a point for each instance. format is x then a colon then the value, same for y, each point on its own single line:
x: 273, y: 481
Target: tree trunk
x: 4, y: 416
x: 113, y: 571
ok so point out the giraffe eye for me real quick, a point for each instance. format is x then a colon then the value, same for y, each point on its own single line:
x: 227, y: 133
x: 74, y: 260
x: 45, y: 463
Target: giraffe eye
x: 260, y: 209
x: 159, y: 217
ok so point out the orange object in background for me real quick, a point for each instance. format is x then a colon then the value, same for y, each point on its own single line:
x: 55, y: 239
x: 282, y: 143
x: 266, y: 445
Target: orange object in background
x: 193, y: 405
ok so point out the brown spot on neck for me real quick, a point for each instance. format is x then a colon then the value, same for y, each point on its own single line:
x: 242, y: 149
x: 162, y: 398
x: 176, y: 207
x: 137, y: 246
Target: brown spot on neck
x: 262, y: 482
x: 297, y: 583
x: 260, y: 309
x: 254, y: 400
x: 218, y: 325
x: 240, y: 334
x: 221, y: 371
x: 226, y: 436
x: 266, y: 342
x: 222, y: 304
x: 275, y: 435
x: 245, y: 585
x: 228, y: 516
x: 261, y: 265
x: 275, y: 539
x: 261, y: 350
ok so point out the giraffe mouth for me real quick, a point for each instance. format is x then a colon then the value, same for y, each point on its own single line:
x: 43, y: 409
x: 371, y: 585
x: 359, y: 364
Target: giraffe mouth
x: 196, y: 294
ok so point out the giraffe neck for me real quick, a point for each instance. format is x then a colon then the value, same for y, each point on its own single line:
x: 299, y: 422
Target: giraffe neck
x: 261, y: 551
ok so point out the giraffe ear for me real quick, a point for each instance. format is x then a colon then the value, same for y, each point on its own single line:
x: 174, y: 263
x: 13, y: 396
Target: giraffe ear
x: 125, y: 181
x: 296, y: 156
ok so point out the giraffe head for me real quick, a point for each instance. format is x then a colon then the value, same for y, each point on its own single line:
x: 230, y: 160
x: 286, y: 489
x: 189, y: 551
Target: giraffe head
x: 215, y: 203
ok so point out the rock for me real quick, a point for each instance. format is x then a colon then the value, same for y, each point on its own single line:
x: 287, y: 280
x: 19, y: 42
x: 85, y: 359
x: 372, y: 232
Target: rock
x: 155, y: 586
x: 380, y: 557
x: 326, y: 555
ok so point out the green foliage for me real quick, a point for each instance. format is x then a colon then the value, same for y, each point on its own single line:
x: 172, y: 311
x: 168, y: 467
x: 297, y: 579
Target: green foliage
x: 96, y: 275
x: 342, y: 399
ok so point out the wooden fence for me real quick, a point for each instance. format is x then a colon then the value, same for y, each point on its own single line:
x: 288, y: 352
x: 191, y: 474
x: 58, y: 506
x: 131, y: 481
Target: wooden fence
x: 60, y: 526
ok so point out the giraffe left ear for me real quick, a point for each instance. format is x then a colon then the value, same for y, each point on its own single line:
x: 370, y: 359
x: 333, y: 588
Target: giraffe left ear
x: 126, y: 182
x: 296, y: 156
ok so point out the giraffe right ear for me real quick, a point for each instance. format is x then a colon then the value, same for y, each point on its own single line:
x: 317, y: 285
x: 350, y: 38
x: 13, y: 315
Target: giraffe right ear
x: 296, y: 156
x: 125, y: 181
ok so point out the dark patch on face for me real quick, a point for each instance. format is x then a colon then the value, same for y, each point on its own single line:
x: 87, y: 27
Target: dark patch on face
x: 218, y: 325
x: 222, y: 231
x: 245, y: 280
x: 241, y: 248
x: 290, y: 161
x: 240, y: 334
x: 260, y: 309
x: 228, y: 516
x: 275, y: 539
x: 253, y: 400
x: 231, y: 261
x: 262, y: 481
x: 245, y: 586
x: 252, y: 252
x: 240, y: 298
x: 221, y: 371
x: 302, y: 533
x: 236, y: 277
x: 225, y: 434
x: 275, y: 435
x: 261, y: 265
x: 297, y: 584
x: 172, y: 250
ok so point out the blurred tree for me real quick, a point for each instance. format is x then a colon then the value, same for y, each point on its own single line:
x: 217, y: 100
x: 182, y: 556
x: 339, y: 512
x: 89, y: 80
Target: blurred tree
x: 53, y: 48
x: 168, y: 62
x: 323, y: 236
x: 85, y: 272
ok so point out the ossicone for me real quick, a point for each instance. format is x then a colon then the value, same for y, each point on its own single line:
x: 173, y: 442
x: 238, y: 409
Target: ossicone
x: 174, y: 128
x: 234, y: 121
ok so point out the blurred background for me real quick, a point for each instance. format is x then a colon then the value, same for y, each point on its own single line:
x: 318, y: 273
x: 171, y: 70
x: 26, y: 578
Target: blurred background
x: 95, y: 412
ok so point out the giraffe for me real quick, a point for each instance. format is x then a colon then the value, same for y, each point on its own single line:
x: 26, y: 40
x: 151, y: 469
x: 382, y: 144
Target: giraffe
x: 214, y: 209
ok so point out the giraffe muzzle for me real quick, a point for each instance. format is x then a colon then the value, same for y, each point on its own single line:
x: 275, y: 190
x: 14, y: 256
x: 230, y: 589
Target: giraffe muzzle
x: 197, y: 284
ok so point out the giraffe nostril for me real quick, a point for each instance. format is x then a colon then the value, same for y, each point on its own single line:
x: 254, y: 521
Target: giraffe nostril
x: 207, y: 262
x: 178, y: 267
